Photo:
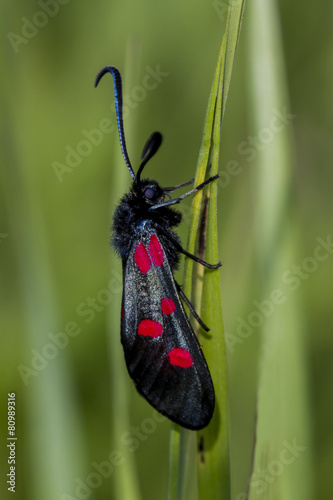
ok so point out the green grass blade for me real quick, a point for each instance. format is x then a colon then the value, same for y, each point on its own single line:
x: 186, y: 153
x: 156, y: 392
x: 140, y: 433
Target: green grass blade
x: 214, y: 467
x: 174, y: 447
x: 125, y: 482
x: 48, y: 421
x: 282, y: 468
x: 213, y: 461
x: 214, y: 473
x: 203, y: 162
x: 178, y: 450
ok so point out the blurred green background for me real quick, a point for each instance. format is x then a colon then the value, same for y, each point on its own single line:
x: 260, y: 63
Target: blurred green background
x: 58, y: 274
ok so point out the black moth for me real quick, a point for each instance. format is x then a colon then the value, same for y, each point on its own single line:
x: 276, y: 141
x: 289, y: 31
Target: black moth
x: 162, y: 353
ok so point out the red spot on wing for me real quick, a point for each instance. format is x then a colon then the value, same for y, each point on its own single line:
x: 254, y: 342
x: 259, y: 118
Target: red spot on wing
x: 180, y: 357
x: 150, y: 328
x: 168, y: 306
x: 141, y: 258
x: 156, y: 251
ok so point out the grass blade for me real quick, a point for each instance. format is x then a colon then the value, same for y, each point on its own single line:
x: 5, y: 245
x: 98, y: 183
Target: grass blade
x: 214, y: 467
x: 282, y: 410
x: 46, y: 397
x: 213, y: 457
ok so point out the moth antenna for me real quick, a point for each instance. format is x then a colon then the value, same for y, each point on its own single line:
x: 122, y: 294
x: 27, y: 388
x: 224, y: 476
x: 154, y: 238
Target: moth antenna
x: 149, y: 150
x: 118, y: 97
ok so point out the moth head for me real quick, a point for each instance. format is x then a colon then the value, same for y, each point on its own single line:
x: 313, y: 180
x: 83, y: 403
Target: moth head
x: 150, y: 192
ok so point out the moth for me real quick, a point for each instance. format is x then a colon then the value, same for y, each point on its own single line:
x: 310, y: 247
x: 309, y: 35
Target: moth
x: 162, y: 353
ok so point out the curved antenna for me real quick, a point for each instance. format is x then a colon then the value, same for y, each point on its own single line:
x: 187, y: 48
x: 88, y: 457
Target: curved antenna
x: 118, y: 97
x: 149, y: 150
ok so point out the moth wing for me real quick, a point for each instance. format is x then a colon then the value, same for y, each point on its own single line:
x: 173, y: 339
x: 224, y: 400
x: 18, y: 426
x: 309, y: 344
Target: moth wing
x: 162, y: 352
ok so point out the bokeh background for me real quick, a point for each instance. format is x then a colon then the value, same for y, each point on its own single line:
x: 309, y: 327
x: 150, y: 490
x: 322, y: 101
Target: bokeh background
x: 60, y: 181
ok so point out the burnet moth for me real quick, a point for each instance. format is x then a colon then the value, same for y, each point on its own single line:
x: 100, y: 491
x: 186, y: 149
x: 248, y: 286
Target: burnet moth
x: 162, y: 353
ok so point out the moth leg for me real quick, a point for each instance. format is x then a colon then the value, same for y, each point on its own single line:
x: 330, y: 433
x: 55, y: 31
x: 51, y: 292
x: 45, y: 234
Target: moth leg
x: 185, y: 252
x: 197, y: 259
x: 185, y: 195
x: 191, y: 308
